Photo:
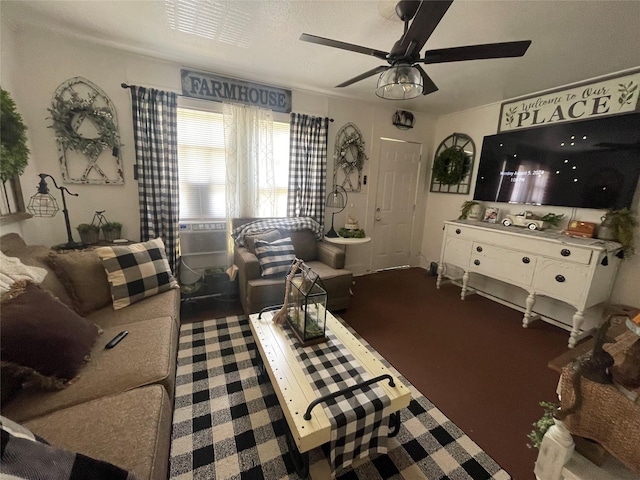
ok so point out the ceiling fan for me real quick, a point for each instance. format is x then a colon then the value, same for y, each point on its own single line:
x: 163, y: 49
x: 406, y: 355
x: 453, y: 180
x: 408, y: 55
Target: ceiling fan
x: 404, y: 77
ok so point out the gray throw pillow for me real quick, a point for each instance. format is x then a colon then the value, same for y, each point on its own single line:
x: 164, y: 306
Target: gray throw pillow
x: 270, y: 236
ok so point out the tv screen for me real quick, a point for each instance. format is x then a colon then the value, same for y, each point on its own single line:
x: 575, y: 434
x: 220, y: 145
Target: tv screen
x: 587, y: 164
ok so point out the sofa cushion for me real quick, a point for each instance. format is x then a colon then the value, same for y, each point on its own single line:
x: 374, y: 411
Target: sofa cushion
x: 12, y: 245
x: 26, y: 455
x: 43, y: 340
x: 136, y: 271
x: 305, y: 244
x: 275, y: 257
x: 161, y: 305
x: 270, y: 236
x: 131, y: 430
x: 146, y: 356
x: 84, y: 276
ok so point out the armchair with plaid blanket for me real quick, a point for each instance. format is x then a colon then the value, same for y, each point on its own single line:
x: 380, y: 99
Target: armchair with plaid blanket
x: 327, y: 260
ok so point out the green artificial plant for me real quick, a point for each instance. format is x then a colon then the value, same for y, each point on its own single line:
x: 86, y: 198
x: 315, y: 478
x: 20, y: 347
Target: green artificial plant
x: 14, y: 154
x: 542, y: 425
x: 466, y: 209
x: 622, y: 222
x: 553, y: 219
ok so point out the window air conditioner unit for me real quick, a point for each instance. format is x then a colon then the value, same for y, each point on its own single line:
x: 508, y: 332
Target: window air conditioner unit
x: 200, y: 238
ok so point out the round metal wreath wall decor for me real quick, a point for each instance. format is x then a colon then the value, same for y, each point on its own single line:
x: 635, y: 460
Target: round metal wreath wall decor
x: 451, y: 166
x: 67, y: 114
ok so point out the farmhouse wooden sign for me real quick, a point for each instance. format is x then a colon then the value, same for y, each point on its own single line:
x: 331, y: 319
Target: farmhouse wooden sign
x: 209, y: 86
x: 610, y: 96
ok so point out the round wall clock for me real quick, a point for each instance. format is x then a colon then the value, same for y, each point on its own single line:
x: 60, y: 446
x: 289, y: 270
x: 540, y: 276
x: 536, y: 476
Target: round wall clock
x: 453, y: 164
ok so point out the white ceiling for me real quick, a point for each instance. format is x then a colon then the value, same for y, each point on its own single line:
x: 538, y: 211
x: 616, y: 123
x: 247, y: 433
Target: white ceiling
x: 259, y: 41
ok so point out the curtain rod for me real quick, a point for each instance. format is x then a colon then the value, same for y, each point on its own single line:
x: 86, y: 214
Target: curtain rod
x: 124, y: 85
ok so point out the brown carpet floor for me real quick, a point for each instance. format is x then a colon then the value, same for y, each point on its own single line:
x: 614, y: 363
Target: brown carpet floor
x: 471, y: 358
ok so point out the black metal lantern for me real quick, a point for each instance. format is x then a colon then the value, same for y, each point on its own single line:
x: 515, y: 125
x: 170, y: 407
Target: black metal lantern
x: 307, y: 307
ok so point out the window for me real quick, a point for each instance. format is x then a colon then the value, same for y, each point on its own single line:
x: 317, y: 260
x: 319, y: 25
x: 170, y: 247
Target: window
x: 201, y: 159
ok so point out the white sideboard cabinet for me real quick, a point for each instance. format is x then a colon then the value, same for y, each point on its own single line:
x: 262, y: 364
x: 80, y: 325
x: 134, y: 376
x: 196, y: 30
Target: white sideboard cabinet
x: 577, y: 271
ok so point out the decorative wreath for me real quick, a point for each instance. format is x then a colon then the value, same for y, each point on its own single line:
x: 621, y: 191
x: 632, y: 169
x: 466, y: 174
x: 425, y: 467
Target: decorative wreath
x: 451, y: 166
x: 358, y: 160
x: 65, y: 112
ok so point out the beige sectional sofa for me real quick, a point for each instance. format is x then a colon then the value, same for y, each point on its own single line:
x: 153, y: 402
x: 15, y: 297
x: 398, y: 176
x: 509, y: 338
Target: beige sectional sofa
x: 327, y: 260
x: 119, y: 409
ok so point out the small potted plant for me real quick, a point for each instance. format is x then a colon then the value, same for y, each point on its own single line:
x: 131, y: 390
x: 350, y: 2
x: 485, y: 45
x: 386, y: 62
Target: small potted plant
x: 470, y: 209
x: 89, y: 233
x: 618, y: 225
x: 111, y: 231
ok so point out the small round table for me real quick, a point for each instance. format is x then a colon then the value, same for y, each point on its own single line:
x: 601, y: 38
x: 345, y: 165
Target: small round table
x: 347, y: 241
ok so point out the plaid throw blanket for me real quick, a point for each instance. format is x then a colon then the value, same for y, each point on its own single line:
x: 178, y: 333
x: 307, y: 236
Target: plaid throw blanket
x: 26, y: 456
x: 286, y: 223
x: 360, y: 420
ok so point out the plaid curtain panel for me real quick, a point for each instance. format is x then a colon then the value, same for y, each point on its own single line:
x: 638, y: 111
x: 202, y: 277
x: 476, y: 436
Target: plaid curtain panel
x: 307, y: 166
x: 155, y: 122
x: 360, y: 420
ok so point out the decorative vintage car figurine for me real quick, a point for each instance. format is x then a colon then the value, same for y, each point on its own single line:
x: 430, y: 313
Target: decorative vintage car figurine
x: 524, y: 219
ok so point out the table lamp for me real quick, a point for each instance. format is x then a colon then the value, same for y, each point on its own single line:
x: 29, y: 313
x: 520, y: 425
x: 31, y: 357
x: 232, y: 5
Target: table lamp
x: 337, y: 198
x: 43, y: 204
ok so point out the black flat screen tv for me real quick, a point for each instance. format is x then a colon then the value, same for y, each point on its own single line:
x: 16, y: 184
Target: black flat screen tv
x: 585, y: 164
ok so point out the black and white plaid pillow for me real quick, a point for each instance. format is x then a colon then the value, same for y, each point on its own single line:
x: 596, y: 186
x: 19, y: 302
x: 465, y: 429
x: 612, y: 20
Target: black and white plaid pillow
x: 275, y: 258
x: 136, y: 271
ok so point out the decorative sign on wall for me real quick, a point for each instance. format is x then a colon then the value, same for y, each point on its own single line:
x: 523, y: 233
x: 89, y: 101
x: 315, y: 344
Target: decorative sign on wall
x: 605, y: 97
x: 86, y: 128
x: 349, y: 158
x: 209, y: 86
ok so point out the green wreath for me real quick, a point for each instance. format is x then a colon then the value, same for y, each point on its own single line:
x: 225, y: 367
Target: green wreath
x: 65, y: 112
x: 451, y: 166
x: 14, y: 153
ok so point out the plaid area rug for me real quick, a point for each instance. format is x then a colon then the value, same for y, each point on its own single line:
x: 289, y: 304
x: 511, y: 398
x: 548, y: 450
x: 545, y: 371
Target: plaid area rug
x: 228, y: 423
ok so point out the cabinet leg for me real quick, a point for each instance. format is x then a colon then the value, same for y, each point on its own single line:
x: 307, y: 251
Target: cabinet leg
x: 530, y: 302
x: 465, y: 282
x: 578, y: 320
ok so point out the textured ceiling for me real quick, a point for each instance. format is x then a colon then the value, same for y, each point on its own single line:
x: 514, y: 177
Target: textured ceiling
x: 259, y: 41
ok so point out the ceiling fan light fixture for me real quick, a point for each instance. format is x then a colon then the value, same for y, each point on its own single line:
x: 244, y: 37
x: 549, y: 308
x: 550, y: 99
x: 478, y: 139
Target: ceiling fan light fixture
x: 400, y: 82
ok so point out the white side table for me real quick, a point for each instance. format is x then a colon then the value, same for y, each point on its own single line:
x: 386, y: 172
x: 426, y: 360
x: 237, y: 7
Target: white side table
x: 347, y: 241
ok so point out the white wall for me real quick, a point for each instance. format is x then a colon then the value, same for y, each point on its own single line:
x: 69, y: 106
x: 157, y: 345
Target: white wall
x: 477, y: 123
x: 41, y: 61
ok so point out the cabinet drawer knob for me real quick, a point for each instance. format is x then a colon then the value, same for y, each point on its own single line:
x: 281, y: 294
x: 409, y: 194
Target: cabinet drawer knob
x: 458, y: 231
x: 526, y: 260
x: 476, y: 262
x: 565, y: 252
x: 479, y: 249
x: 560, y: 278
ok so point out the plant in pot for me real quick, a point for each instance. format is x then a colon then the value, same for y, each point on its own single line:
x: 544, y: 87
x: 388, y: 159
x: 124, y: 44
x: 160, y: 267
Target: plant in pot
x: 618, y: 225
x: 14, y: 153
x: 470, y: 209
x: 111, y: 231
x: 89, y: 233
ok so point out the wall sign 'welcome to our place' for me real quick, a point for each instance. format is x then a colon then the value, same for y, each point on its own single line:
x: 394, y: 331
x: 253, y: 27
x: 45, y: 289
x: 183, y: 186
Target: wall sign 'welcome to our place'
x: 609, y: 96
x: 209, y: 86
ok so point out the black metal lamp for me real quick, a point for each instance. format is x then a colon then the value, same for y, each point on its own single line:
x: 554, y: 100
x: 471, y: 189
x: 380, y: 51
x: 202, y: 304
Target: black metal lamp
x: 337, y: 198
x: 43, y: 204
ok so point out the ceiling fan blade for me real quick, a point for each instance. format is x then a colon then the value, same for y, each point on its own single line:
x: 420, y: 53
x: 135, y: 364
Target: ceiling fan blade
x: 477, y: 52
x: 424, y: 23
x: 428, y: 85
x: 305, y: 37
x: 362, y: 76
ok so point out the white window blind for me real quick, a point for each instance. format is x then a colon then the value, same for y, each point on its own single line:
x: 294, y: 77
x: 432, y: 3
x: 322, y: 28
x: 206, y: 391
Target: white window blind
x: 201, y: 159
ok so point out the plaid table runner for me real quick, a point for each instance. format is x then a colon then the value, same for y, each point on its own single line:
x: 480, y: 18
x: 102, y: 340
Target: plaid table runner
x: 360, y: 420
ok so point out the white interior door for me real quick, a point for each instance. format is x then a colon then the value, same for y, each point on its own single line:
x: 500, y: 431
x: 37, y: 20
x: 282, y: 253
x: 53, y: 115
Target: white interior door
x: 395, y: 203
